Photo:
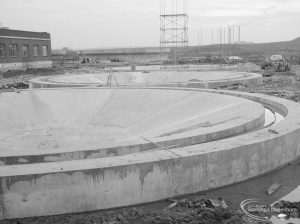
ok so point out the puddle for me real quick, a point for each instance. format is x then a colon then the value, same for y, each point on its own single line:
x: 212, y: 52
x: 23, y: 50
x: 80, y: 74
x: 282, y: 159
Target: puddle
x: 293, y: 196
x: 276, y: 220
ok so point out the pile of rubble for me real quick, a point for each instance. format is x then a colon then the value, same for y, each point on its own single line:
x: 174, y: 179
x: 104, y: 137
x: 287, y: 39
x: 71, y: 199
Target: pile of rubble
x: 284, y: 87
x: 284, y: 94
x: 276, y: 82
x: 16, y: 85
x: 33, y: 71
x: 235, y: 86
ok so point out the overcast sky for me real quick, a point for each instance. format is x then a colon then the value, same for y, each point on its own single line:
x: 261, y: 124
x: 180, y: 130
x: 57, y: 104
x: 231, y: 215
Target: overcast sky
x: 129, y: 23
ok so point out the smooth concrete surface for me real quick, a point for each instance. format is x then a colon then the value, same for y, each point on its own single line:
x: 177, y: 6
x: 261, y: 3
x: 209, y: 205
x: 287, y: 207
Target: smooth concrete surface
x: 212, y: 79
x: 46, y: 125
x: 91, y: 184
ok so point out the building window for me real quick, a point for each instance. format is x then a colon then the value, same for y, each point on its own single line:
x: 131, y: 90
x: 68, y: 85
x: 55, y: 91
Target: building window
x: 25, y: 51
x: 2, y: 50
x: 35, y: 50
x: 13, y: 50
x: 45, y: 50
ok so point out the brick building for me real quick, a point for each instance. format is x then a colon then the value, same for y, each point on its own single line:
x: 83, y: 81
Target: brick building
x: 24, y: 49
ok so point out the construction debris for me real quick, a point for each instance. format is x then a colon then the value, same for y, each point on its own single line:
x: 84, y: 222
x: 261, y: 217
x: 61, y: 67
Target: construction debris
x: 173, y: 205
x: 182, y: 211
x: 273, y: 188
x: 289, y: 209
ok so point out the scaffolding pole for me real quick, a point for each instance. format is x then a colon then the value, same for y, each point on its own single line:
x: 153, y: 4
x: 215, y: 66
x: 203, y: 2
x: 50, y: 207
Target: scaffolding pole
x: 173, y: 32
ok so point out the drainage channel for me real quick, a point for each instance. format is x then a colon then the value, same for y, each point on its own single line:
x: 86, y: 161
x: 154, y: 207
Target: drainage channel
x: 271, y: 117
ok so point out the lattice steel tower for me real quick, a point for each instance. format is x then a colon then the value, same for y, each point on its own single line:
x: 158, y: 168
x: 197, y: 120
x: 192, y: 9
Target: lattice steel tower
x: 174, y: 30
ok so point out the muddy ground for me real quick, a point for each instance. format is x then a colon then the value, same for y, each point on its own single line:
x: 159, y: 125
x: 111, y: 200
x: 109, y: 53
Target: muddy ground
x: 195, y: 208
x: 193, y: 211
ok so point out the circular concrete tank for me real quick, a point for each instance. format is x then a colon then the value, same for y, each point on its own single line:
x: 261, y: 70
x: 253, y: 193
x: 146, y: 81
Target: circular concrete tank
x: 173, y: 145
x: 209, y: 79
x: 47, y: 121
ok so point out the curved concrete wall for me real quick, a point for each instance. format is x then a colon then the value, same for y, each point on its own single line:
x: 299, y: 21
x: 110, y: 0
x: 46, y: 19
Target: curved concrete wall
x: 70, y: 186
x: 224, y: 80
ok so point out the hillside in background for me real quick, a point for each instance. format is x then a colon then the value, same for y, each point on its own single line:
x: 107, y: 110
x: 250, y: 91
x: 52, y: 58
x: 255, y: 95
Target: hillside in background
x: 285, y: 48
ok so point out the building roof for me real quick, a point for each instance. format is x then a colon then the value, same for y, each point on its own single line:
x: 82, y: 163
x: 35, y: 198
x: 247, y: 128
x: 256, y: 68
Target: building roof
x: 26, y: 34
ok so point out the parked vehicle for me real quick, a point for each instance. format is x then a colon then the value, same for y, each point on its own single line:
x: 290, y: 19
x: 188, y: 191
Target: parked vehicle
x: 276, y: 62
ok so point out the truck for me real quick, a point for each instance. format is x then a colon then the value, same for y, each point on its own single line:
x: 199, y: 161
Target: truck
x: 276, y: 62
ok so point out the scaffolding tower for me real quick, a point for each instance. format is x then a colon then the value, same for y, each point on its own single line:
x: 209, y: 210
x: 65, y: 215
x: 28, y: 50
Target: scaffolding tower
x: 174, y: 32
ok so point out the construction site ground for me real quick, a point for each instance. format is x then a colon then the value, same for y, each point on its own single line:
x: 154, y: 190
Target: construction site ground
x: 281, y: 84
x: 196, y: 208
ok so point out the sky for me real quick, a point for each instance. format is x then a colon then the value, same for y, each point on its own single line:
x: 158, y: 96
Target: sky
x: 81, y: 24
